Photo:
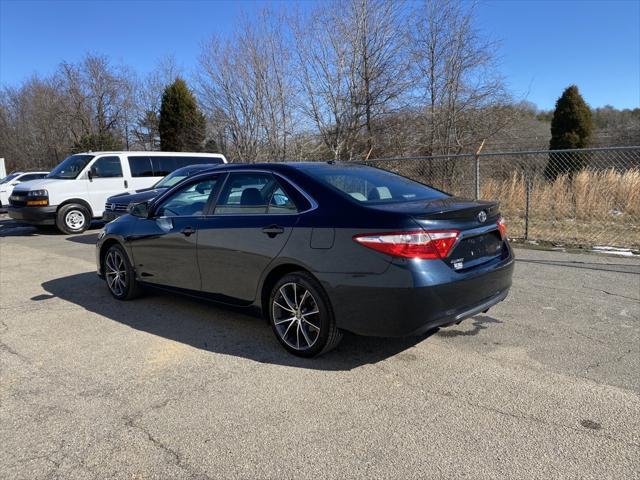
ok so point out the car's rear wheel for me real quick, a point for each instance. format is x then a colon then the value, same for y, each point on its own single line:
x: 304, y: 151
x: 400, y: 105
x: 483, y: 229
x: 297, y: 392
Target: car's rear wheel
x: 119, y: 274
x: 301, y: 316
x: 73, y: 218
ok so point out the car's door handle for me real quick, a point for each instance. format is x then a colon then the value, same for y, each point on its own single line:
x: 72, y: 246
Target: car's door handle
x: 273, y: 230
x: 186, y: 231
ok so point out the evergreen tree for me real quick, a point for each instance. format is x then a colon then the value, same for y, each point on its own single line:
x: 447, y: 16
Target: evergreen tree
x: 571, y: 127
x: 182, y: 125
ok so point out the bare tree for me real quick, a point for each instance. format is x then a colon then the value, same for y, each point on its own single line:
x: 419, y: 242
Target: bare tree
x: 247, y: 89
x: 454, y: 77
x: 351, y: 65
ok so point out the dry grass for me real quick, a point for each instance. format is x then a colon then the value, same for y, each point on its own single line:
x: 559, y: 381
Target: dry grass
x: 592, y: 207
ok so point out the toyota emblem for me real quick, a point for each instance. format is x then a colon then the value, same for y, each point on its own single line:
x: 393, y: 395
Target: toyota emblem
x: 482, y: 216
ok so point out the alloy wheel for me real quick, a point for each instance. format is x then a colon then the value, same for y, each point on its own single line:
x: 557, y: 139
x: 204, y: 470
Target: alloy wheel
x: 296, y: 316
x: 116, y: 272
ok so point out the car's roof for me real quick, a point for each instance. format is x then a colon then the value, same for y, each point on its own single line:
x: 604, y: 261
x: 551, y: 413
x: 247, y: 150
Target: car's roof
x: 303, y: 166
x: 147, y: 152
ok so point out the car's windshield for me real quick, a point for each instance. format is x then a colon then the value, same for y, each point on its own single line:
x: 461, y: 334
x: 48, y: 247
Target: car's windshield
x: 374, y: 186
x: 174, y: 177
x: 70, y: 167
x: 8, y: 178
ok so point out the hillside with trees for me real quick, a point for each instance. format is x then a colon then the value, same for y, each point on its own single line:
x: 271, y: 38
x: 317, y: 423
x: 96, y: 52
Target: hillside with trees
x: 343, y: 80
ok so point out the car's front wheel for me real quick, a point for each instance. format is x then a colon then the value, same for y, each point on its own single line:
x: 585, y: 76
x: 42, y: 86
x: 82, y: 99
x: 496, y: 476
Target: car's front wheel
x: 73, y: 218
x: 301, y: 316
x: 119, y: 274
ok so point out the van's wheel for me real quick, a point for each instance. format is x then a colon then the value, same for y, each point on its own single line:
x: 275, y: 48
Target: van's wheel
x: 119, y: 274
x: 301, y: 316
x: 73, y: 218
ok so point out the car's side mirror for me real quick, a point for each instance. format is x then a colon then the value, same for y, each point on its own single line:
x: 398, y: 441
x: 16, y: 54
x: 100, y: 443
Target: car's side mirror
x: 141, y: 210
x: 90, y: 175
x: 15, y: 183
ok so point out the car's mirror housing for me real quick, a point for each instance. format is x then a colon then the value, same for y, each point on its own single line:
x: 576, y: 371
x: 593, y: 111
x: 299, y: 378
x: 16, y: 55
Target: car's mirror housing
x: 141, y: 210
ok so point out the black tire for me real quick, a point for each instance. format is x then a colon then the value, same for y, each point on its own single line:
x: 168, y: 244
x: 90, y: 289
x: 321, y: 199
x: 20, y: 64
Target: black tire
x: 73, y: 218
x: 122, y: 285
x: 313, y: 333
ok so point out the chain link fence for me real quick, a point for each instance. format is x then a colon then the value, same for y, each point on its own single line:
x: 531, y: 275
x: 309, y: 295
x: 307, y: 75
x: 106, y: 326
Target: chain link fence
x: 584, y: 198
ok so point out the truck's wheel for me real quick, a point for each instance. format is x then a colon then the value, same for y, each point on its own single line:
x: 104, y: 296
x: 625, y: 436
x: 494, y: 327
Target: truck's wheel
x: 73, y: 218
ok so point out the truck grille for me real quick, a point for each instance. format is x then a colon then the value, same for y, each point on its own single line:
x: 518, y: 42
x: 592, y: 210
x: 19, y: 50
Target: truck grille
x: 116, y: 207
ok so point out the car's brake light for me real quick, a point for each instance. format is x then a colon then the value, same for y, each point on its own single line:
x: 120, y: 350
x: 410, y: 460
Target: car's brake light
x: 427, y: 245
x: 502, y: 227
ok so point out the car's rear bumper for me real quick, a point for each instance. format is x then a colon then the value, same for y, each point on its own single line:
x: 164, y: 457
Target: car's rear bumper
x: 34, y: 215
x: 409, y: 301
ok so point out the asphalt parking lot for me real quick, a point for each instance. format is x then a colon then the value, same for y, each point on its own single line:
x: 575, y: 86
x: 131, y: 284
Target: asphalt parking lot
x: 545, y: 385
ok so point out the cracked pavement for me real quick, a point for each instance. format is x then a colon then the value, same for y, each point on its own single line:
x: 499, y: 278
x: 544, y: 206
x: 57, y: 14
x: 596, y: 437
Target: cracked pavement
x: 544, y: 385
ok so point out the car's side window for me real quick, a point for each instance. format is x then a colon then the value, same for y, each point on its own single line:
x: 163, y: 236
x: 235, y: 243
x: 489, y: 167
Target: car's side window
x: 190, y: 200
x: 280, y: 202
x: 245, y: 193
x: 106, y: 167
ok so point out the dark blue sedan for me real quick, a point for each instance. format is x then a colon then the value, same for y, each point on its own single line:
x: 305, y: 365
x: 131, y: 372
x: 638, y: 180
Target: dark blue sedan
x: 320, y: 248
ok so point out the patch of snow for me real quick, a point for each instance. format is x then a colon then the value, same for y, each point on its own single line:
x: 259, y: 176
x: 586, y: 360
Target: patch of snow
x: 625, y: 252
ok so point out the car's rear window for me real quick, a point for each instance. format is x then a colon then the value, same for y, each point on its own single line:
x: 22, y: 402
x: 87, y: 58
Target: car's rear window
x: 372, y: 185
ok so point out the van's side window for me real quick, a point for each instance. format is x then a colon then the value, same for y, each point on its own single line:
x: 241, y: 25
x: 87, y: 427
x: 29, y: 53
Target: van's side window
x: 163, y: 166
x: 107, y: 167
x: 140, y: 166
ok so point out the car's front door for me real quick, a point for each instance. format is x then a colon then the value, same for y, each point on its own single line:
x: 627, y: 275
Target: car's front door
x: 105, y: 179
x: 252, y: 221
x: 164, y: 246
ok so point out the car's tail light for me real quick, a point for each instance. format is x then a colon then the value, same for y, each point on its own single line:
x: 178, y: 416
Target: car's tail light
x: 502, y: 227
x: 428, y: 245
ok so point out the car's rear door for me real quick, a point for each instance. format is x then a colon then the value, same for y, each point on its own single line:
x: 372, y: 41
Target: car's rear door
x: 164, y: 246
x: 250, y: 224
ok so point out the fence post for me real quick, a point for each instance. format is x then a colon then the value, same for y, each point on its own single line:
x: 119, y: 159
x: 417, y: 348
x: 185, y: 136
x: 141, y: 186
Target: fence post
x: 527, y: 194
x: 478, y: 170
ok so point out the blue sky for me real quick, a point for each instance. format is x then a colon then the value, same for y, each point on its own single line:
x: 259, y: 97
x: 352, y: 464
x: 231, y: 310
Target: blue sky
x: 545, y: 45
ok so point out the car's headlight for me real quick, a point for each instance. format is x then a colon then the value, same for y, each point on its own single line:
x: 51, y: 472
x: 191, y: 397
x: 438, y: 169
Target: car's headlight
x: 38, y: 193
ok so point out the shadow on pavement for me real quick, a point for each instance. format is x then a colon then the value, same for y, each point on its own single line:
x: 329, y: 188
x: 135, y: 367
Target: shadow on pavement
x: 215, y: 328
x: 479, y: 323
x: 87, y: 239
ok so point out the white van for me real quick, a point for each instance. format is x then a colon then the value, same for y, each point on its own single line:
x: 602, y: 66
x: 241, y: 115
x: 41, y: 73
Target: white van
x: 75, y: 191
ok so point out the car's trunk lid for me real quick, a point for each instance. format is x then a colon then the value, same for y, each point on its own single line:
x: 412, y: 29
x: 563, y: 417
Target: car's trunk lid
x: 476, y: 220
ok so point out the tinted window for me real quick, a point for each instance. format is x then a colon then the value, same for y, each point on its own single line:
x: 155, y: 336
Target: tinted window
x: 70, y: 167
x: 106, y: 167
x: 163, y: 166
x: 371, y: 185
x: 188, y: 201
x: 200, y: 160
x: 140, y: 166
x: 245, y: 193
x: 280, y: 202
x: 253, y: 193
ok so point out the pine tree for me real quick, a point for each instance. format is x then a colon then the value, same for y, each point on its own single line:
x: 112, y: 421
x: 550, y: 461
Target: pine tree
x: 571, y: 127
x: 182, y: 125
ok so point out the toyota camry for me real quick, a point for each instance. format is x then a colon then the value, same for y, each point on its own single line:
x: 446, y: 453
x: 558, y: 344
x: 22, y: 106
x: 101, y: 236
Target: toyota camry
x: 320, y: 248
